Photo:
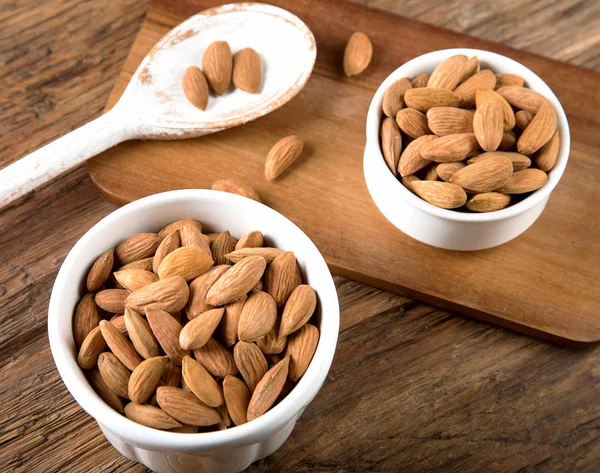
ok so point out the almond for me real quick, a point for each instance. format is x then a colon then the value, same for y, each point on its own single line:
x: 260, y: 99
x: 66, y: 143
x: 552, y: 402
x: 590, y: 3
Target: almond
x: 508, y: 115
x: 449, y: 121
x: 472, y: 67
x: 447, y: 170
x: 282, y: 277
x: 488, y: 125
x: 90, y: 350
x: 171, y: 375
x: 391, y: 143
x: 268, y: 253
x: 425, y: 98
x: 199, y: 289
x: 144, y: 263
x: 87, y: 317
x: 258, y: 316
x: 166, y: 330
x: 419, y: 81
x: 119, y: 322
x: 408, y: 180
x: 141, y: 335
x: 217, y: 65
x: 429, y: 173
x: 217, y: 359
x: 523, y: 119
x: 447, y: 75
x: 222, y: 245
x: 540, y: 130
x: 268, y: 389
x: 440, y: 194
x: 189, y: 262
x: 201, y: 383
x: 546, y: 157
x: 114, y: 373
x: 298, y: 309
x: 225, y: 419
x: 186, y: 407
x: 252, y: 239
x: 412, y: 122
x: 519, y: 161
x: 190, y: 235
x: 450, y: 148
x: 169, y: 243
x: 170, y: 294
x: 237, y: 398
x: 145, y: 379
x: 136, y: 247
x: 100, y: 271
x: 483, y: 80
x: 508, y: 140
x: 112, y: 300
x: 120, y: 346
x: 301, y: 348
x: 272, y: 343
x: 282, y: 155
x: 393, y: 99
x: 522, y: 98
x: 247, y: 70
x: 177, y: 226
x: 150, y: 416
x: 236, y: 282
x: 199, y: 330
x: 521, y: 182
x: 504, y: 80
x: 106, y: 394
x: 134, y: 279
x: 358, y: 54
x: 230, y: 321
x: 487, y: 202
x: 233, y: 187
x: 186, y: 429
x: 485, y: 175
x: 251, y: 363
x: 411, y: 160
x: 195, y: 87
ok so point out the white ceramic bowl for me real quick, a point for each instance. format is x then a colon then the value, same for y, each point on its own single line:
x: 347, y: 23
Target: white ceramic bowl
x: 444, y: 228
x: 231, y: 450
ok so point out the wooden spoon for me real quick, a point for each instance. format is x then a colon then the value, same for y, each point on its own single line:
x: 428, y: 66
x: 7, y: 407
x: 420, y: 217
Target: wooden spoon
x: 154, y: 106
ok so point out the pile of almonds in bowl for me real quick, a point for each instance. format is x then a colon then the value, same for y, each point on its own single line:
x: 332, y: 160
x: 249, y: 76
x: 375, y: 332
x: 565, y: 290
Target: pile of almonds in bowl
x: 188, y: 332
x: 466, y: 138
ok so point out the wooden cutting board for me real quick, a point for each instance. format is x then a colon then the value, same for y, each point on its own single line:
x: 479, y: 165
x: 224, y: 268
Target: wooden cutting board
x: 545, y: 283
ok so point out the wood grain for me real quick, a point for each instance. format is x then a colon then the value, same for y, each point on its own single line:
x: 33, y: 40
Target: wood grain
x: 425, y: 390
x: 325, y: 193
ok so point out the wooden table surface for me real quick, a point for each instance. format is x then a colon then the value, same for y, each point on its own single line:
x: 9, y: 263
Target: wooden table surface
x: 412, y: 388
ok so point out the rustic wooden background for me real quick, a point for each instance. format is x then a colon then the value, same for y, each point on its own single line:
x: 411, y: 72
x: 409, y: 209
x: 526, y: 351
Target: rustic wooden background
x: 412, y: 388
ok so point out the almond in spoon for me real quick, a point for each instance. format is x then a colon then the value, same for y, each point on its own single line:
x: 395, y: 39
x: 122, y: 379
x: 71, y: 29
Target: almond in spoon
x: 247, y: 70
x: 217, y: 64
x: 195, y: 87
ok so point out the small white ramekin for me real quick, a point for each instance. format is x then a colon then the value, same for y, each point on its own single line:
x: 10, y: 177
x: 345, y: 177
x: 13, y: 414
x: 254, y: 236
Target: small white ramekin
x: 447, y: 228
x: 227, y: 451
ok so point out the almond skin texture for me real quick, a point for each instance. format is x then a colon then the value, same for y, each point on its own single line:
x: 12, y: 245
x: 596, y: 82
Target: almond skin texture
x: 87, y: 317
x: 247, y: 70
x: 90, y: 350
x: 447, y: 75
x: 235, y: 187
x: 141, y: 335
x: 419, y: 81
x: 228, y: 327
x: 298, y: 310
x: 217, y: 64
x: 508, y: 116
x: 540, y: 130
x: 199, y: 288
x: 519, y: 161
x: 488, y: 125
x: 545, y: 158
x: 411, y: 159
x: 170, y: 294
x: 186, y: 407
x: 487, y: 202
x: 447, y: 170
x: 301, y: 348
x: 222, y: 245
x: 523, y: 119
x: 166, y: 330
x: 257, y: 317
x: 195, y: 87
x: 450, y: 148
x: 237, y: 398
x: 134, y: 279
x: 485, y: 175
x: 170, y: 243
x: 217, y: 359
x: 522, y: 98
x: 190, y: 235
x: 100, y: 271
x: 412, y: 122
x: 521, y: 182
x: 252, y: 239
x: 189, y: 262
x: 144, y: 263
x: 268, y: 389
x: 282, y: 155
x: 120, y: 346
x: 136, y: 247
x: 358, y: 54
x: 145, y: 378
x: 112, y: 300
x: 150, y: 416
x: 199, y: 330
x: 444, y: 121
x: 483, y: 80
x: 282, y: 277
x: 108, y: 395
x: 440, y: 194
x: 177, y: 226
x: 393, y: 99
x: 423, y: 99
x: 114, y: 373
x: 408, y: 180
x: 236, y: 282
x: 391, y: 143
x: 251, y: 363
x: 471, y: 67
x: 268, y: 253
x: 272, y: 343
x: 201, y: 383
x: 503, y: 80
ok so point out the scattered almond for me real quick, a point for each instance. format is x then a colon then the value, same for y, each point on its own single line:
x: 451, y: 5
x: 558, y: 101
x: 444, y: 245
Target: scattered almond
x: 235, y: 187
x: 357, y: 54
x: 282, y: 155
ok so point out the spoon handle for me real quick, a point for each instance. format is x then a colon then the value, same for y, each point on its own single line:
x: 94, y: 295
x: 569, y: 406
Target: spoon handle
x: 62, y: 155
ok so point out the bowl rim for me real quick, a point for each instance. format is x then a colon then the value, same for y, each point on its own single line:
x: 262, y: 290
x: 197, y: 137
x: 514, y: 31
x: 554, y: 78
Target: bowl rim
x: 420, y: 64
x: 259, y: 429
